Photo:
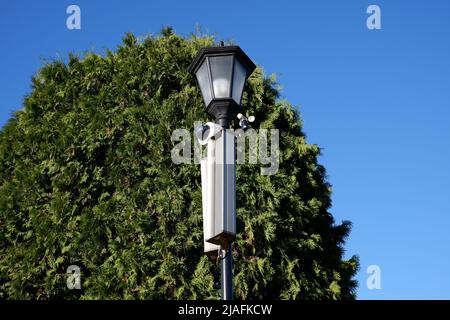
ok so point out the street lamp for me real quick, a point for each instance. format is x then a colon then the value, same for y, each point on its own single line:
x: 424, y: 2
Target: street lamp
x: 221, y: 73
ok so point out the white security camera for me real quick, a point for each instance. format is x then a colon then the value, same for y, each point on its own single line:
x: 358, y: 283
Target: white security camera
x: 209, y: 130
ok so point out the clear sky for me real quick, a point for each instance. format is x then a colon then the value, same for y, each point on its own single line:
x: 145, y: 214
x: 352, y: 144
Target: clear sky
x: 376, y: 101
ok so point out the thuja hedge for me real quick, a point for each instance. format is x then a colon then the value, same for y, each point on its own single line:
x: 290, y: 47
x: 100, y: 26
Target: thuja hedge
x: 87, y: 179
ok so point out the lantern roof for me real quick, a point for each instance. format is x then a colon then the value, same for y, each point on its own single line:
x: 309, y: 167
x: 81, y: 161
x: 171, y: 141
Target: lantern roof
x: 221, y: 51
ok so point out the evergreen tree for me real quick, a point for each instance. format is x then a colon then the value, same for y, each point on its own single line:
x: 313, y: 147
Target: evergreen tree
x: 87, y: 179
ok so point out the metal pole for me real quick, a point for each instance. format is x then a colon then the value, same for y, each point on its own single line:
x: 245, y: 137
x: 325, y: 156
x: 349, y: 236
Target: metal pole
x: 226, y: 262
x: 227, y: 274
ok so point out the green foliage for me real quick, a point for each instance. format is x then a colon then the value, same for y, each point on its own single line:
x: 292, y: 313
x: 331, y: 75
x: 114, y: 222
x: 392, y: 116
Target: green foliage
x: 87, y: 179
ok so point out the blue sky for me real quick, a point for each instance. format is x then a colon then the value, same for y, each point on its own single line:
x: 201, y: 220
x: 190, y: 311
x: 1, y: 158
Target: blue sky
x: 376, y: 101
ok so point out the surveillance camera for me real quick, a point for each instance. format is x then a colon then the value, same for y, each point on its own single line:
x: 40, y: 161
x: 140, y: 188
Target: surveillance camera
x: 201, y: 131
x: 207, y: 131
x: 244, y: 125
x: 244, y: 122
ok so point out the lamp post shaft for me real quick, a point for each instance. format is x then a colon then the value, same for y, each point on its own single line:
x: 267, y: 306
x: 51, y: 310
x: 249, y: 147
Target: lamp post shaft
x: 226, y: 264
x: 227, y: 274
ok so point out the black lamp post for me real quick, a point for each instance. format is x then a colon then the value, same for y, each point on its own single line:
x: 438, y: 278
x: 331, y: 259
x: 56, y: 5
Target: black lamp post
x: 221, y: 73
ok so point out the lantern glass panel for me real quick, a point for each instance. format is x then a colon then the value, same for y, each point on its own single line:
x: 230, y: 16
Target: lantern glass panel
x: 239, y: 77
x: 221, y: 68
x: 203, y: 81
